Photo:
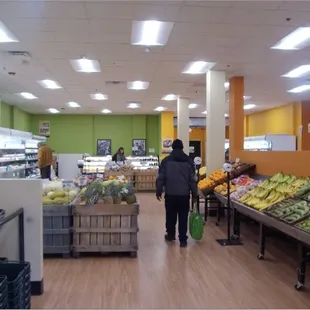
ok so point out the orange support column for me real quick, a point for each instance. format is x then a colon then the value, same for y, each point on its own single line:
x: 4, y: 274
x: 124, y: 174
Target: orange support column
x: 236, y: 115
x: 305, y: 122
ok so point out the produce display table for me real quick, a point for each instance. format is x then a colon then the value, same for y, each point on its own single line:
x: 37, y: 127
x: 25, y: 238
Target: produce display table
x: 57, y: 222
x: 145, y: 180
x: 105, y: 228
x: 264, y: 220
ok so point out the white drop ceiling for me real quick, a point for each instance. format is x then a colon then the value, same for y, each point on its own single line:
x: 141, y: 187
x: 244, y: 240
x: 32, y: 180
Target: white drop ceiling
x: 236, y: 35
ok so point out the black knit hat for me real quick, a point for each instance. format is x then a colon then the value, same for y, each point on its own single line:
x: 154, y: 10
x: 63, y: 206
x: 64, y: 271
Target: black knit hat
x: 177, y: 144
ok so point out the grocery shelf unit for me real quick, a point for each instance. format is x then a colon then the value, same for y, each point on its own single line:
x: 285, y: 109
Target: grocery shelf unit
x: 18, y: 154
x: 265, y: 221
x: 31, y: 151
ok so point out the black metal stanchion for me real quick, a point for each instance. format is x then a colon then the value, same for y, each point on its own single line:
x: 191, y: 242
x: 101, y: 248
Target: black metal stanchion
x: 230, y: 240
x: 262, y: 242
x: 304, y: 257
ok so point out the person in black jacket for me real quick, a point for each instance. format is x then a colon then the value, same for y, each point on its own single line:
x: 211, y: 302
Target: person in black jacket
x: 176, y: 176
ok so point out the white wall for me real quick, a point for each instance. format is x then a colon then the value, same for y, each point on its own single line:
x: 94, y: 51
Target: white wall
x: 68, y: 168
x: 27, y: 194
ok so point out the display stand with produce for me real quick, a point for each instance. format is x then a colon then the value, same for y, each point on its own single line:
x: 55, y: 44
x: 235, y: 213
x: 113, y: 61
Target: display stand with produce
x: 145, y: 180
x: 57, y: 198
x: 105, y: 219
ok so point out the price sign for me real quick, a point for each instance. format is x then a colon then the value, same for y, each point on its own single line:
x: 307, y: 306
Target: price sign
x: 99, y: 175
x: 121, y: 177
x: 82, y: 181
x: 67, y: 184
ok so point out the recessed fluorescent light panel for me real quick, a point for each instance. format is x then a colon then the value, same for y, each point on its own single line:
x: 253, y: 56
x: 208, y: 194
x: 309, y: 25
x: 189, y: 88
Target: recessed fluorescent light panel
x: 296, y: 40
x: 249, y: 106
x: 99, y: 96
x: 85, y: 65
x: 192, y: 105
x: 49, y: 84
x: 159, y: 109
x: 106, y: 111
x: 72, y: 104
x: 52, y: 110
x: 28, y: 96
x: 198, y: 67
x: 170, y: 97
x: 298, y: 72
x: 133, y: 105
x: 5, y: 35
x: 138, y: 85
x: 299, y: 89
x: 150, y: 32
x: 204, y: 112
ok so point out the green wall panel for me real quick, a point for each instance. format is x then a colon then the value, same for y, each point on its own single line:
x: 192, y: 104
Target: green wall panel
x: 71, y: 134
x: 117, y: 128
x: 21, y: 119
x: 79, y: 133
x: 6, y: 115
x: 139, y: 126
x: 153, y: 133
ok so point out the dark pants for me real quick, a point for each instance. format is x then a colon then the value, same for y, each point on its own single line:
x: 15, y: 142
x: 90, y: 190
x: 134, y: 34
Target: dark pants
x: 177, y: 208
x: 45, y: 172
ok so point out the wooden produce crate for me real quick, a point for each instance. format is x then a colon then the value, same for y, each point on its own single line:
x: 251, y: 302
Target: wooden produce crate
x: 105, y: 228
x: 145, y: 180
x: 57, y: 223
x: 128, y: 175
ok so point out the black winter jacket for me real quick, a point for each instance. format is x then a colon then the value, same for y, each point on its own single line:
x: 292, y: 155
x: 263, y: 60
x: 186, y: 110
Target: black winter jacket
x: 176, y: 175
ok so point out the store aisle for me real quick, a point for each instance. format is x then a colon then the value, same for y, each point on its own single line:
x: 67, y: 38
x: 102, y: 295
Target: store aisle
x: 203, y: 275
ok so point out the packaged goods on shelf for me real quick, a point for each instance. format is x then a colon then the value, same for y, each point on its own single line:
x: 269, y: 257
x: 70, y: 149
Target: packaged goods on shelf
x: 272, y: 190
x: 18, y: 154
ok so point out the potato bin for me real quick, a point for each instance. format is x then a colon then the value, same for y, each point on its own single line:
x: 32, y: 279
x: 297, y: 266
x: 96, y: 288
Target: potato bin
x: 105, y: 228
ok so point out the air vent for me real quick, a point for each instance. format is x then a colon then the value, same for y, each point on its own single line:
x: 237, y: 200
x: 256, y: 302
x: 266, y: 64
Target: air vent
x: 114, y: 83
x: 19, y: 53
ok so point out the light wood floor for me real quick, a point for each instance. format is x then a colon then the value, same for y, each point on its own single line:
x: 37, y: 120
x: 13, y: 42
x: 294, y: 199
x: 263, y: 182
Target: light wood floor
x: 204, y: 275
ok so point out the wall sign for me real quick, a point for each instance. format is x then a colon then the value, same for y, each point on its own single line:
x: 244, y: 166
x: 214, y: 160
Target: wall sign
x: 44, y: 128
x: 166, y: 146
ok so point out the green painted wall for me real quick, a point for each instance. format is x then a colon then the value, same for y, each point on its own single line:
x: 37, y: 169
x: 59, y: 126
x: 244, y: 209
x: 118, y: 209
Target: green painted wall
x: 13, y: 117
x: 6, y: 115
x: 21, y: 119
x: 79, y: 133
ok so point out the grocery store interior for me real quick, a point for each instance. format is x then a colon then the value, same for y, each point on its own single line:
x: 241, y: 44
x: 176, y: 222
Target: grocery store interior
x: 92, y: 95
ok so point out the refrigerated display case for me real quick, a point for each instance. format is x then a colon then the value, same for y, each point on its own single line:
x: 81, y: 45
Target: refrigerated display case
x: 269, y: 142
x: 96, y: 164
